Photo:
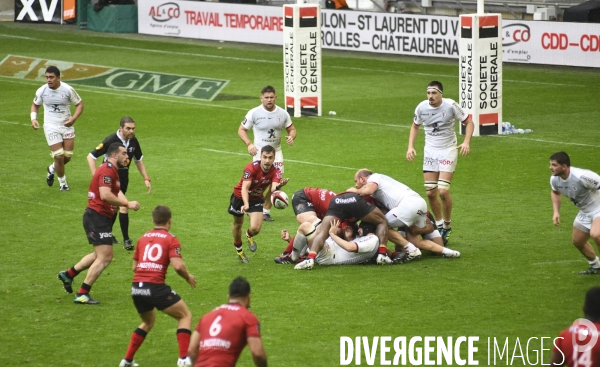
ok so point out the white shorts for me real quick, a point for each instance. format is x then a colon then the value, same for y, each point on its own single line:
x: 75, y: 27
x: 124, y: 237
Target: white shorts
x: 278, y: 159
x: 411, y: 211
x: 440, y: 160
x: 429, y: 236
x: 584, y: 221
x: 57, y: 134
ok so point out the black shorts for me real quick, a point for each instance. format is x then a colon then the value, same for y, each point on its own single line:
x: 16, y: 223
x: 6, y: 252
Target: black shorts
x: 300, y: 203
x: 124, y: 179
x: 98, y: 228
x: 147, y: 296
x: 349, y: 206
x: 235, y: 206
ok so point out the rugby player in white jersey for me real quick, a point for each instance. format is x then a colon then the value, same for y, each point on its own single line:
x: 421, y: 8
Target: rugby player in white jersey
x: 438, y: 116
x: 344, y: 246
x: 581, y: 187
x: 56, y: 96
x: 267, y: 121
x: 406, y: 209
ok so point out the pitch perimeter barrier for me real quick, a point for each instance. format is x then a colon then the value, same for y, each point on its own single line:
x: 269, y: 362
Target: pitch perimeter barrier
x: 529, y: 42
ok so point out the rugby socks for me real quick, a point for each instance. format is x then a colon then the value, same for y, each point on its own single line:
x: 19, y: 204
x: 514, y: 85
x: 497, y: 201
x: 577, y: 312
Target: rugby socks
x: 85, y: 289
x: 594, y: 263
x: 447, y: 224
x: 382, y: 249
x: 290, y: 246
x: 124, y: 222
x: 137, y: 338
x: 447, y: 251
x: 183, y: 339
x: 439, y: 223
x: 51, y: 168
x: 410, y: 247
x: 62, y: 180
x: 267, y: 211
x: 312, y: 255
x: 72, y: 273
x: 238, y: 246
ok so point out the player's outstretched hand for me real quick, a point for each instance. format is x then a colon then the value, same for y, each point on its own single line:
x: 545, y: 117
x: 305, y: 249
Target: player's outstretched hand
x: 191, y: 281
x: 283, y: 182
x: 285, y: 235
x: 464, y: 149
x: 133, y: 205
x: 411, y: 153
x: 335, y: 224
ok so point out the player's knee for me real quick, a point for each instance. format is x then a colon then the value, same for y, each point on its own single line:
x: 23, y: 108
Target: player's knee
x: 430, y: 186
x: 58, y: 154
x: 595, y: 235
x: 68, y: 154
x: 444, y: 188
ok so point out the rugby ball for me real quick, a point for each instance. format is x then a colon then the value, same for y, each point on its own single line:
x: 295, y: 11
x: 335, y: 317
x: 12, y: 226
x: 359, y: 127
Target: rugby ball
x: 279, y: 199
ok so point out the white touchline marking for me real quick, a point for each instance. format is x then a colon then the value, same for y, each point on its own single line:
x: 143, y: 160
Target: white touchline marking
x: 42, y: 204
x: 14, y: 123
x: 287, y: 160
x: 261, y: 61
x: 556, y: 262
x: 547, y: 141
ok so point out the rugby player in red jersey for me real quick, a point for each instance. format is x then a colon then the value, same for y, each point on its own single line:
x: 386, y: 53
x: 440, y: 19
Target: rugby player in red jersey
x: 578, y: 346
x: 154, y: 252
x: 222, y: 334
x: 248, y: 198
x: 103, y: 195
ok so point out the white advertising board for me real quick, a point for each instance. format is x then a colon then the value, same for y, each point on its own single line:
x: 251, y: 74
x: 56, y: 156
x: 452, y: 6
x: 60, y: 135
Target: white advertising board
x: 535, y: 42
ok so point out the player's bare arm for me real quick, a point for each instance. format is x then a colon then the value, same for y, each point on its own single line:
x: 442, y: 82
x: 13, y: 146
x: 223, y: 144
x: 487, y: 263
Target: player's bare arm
x: 34, y: 111
x: 257, y: 350
x: 285, y: 235
x: 278, y: 185
x: 193, y: 347
x: 78, y: 111
x: 182, y: 271
x: 556, y: 198
x: 245, y: 195
x: 108, y: 197
x: 367, y: 189
x: 333, y: 233
x: 92, y: 164
x: 291, y: 134
x: 243, y: 134
x: 411, y: 153
x: 465, y: 148
x: 142, y: 168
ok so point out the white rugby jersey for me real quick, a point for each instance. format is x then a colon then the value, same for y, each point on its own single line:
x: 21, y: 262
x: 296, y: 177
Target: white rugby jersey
x: 267, y: 125
x: 581, y: 187
x: 390, y: 192
x: 438, y: 122
x: 333, y: 254
x: 56, y: 102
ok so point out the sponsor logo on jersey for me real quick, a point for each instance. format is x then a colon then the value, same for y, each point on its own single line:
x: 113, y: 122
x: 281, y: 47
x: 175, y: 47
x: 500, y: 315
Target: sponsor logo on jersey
x: 345, y: 201
x: 107, y: 180
x: 117, y: 79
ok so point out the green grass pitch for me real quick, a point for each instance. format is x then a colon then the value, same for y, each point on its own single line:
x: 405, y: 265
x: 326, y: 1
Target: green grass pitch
x: 517, y: 277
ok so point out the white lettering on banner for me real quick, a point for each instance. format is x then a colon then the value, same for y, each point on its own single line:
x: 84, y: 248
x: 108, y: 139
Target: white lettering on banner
x: 47, y: 11
x: 309, y: 65
x: 288, y: 63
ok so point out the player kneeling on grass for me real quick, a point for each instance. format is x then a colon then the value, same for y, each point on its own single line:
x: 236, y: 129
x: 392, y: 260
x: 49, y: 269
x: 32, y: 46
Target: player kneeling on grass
x: 248, y: 198
x: 344, y: 246
x: 427, y: 238
x: 154, y: 252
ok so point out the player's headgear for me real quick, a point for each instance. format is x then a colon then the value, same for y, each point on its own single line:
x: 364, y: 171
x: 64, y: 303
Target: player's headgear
x: 591, y: 306
x: 113, y: 148
x: 267, y: 89
x: 436, y: 85
x: 126, y: 120
x: 267, y: 149
x: 53, y: 70
x: 161, y: 215
x: 239, y: 288
x: 561, y: 158
x: 367, y: 228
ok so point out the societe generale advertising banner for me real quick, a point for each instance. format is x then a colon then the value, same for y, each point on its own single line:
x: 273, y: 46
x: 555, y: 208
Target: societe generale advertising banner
x: 535, y: 42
